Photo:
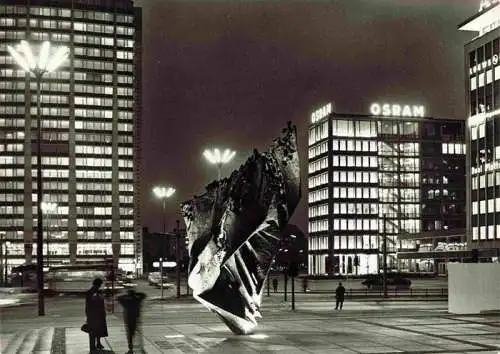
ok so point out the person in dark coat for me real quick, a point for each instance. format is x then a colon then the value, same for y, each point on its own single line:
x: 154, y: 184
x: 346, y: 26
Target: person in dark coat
x: 275, y: 285
x: 96, y: 315
x: 339, y: 295
x: 131, y: 302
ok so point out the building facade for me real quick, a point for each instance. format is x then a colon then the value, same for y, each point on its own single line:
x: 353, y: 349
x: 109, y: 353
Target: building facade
x: 390, y: 176
x: 482, y: 73
x: 90, y: 142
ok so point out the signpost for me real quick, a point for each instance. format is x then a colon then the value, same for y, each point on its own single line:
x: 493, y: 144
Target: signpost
x: 162, y: 264
x: 161, y: 277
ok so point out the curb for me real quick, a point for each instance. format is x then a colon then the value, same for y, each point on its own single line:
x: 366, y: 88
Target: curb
x: 182, y: 299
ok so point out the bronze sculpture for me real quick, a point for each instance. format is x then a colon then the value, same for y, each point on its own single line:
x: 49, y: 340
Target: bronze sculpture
x: 234, y: 231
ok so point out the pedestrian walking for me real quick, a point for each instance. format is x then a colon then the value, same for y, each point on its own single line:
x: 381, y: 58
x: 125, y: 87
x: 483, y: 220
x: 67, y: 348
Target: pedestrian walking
x: 96, y: 316
x: 339, y: 296
x: 305, y: 284
x: 275, y: 285
x: 131, y: 302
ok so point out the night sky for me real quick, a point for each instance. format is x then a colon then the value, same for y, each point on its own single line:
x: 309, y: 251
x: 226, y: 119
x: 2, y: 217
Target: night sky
x: 230, y: 74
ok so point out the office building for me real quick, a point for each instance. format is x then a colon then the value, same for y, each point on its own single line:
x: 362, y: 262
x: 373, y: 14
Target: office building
x: 482, y: 74
x: 394, y: 175
x: 91, y: 118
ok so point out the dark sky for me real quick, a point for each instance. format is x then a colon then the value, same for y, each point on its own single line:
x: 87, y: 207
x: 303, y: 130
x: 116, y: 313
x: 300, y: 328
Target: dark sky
x: 231, y: 73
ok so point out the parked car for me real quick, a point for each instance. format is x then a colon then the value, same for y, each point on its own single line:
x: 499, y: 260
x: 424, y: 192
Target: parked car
x: 129, y: 276
x: 154, y: 278
x: 165, y: 285
x: 377, y: 281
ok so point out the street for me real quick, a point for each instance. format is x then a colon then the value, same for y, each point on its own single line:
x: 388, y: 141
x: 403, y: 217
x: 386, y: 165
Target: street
x: 318, y: 289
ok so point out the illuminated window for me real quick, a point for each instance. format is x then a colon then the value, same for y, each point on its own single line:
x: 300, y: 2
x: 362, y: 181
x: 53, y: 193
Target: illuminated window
x: 482, y: 232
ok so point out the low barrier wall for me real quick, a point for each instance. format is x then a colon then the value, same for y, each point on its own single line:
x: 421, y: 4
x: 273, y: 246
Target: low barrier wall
x: 473, y: 287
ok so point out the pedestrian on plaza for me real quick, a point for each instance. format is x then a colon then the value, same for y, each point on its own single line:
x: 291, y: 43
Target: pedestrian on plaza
x: 305, y: 284
x: 275, y: 284
x: 131, y: 303
x: 96, y: 315
x: 339, y: 295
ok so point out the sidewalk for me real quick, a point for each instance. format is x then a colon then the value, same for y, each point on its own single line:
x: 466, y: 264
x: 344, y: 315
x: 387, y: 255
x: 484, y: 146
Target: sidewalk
x: 362, y: 327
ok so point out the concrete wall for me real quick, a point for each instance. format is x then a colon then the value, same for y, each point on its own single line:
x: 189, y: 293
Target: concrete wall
x: 473, y: 287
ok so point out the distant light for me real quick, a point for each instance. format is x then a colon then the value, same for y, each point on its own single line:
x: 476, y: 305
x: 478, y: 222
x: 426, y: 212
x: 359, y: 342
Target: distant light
x: 24, y: 57
x: 259, y: 336
x: 44, y: 55
x: 163, y: 192
x: 217, y: 157
x: 175, y: 336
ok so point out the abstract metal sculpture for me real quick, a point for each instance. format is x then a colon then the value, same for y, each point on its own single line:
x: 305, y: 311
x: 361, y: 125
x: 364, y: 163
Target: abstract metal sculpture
x: 234, y: 231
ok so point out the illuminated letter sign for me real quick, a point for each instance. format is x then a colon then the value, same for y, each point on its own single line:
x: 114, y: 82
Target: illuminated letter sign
x: 485, y: 64
x: 396, y: 110
x: 321, y: 113
x: 484, y: 4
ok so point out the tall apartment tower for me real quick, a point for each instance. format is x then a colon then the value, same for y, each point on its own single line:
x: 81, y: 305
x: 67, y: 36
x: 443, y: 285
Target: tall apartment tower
x: 91, y: 115
x: 482, y: 87
x: 392, y: 175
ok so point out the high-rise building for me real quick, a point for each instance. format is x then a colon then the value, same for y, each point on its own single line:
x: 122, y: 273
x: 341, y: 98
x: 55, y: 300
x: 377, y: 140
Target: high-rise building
x: 482, y: 73
x: 91, y: 114
x: 393, y: 175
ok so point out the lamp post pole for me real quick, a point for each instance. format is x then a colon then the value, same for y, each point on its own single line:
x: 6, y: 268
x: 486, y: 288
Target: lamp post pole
x: 2, y: 261
x: 163, y: 193
x: 384, y: 250
x: 218, y: 159
x: 178, y: 259
x: 39, y: 197
x: 163, y: 245
x: 47, y: 209
x: 23, y: 55
x: 47, y: 238
x: 6, y: 245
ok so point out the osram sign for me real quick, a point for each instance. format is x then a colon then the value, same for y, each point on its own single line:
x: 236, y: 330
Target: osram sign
x: 321, y: 113
x: 397, y: 110
x: 485, y: 64
x: 484, y: 4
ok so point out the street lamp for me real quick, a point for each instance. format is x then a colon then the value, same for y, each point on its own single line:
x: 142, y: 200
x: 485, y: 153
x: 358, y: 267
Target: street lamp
x: 219, y: 159
x: 46, y: 63
x: 163, y: 193
x: 49, y: 209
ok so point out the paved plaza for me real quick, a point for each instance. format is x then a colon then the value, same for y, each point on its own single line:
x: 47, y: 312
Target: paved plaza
x: 186, y: 327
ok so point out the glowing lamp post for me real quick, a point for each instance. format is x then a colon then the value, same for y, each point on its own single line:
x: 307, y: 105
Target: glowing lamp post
x: 219, y: 159
x: 46, y: 63
x: 163, y: 193
x: 48, y: 209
